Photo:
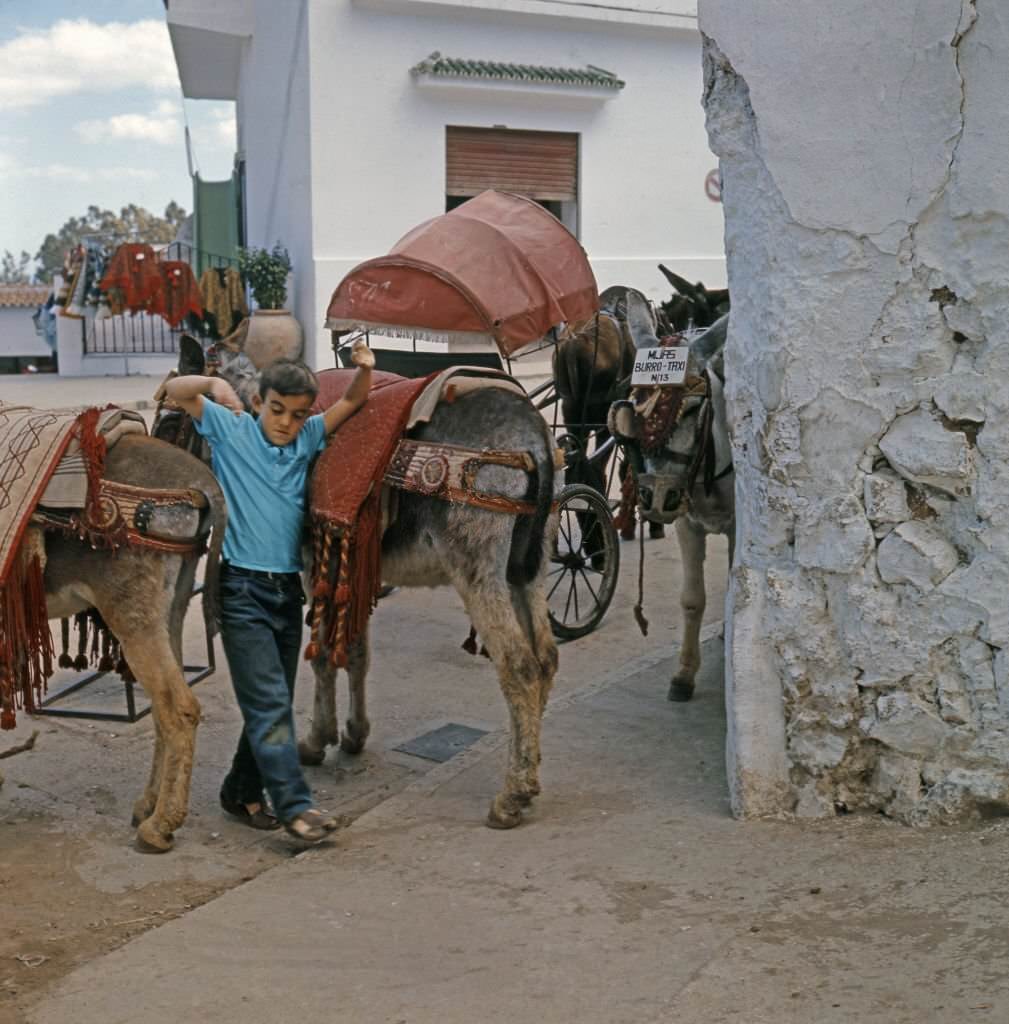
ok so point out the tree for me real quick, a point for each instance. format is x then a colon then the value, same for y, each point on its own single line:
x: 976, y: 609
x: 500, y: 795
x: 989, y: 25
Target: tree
x: 133, y: 224
x: 14, y: 269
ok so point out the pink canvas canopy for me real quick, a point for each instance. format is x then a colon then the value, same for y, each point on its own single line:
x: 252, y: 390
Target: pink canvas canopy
x: 499, y: 266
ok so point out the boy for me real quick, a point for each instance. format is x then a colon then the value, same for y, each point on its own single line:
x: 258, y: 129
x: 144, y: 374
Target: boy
x: 262, y: 466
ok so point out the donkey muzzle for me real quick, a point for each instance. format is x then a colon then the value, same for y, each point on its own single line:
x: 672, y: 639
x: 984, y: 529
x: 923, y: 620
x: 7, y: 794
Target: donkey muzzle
x: 659, y: 498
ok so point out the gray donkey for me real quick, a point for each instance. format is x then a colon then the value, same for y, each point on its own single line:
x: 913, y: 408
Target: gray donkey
x: 680, y: 448
x: 495, y: 561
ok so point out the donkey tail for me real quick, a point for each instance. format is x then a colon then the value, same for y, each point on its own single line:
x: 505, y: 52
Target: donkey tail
x: 527, y: 547
x: 211, y: 575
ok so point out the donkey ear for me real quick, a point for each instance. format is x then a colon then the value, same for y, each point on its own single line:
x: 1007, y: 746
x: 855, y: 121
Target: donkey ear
x: 707, y: 345
x: 191, y: 357
x: 640, y: 321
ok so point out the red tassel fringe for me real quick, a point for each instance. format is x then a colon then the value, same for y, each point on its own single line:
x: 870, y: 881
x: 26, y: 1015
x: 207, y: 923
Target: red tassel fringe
x: 93, y: 449
x: 358, y: 580
x: 26, y: 645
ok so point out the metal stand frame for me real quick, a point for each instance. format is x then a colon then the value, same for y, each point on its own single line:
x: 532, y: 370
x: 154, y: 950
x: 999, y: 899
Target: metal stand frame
x: 193, y: 674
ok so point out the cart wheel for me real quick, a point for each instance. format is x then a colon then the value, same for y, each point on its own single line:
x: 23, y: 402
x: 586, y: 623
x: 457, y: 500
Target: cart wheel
x: 586, y: 559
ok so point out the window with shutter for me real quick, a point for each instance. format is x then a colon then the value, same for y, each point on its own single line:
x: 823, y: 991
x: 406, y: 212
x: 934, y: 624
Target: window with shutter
x: 541, y: 165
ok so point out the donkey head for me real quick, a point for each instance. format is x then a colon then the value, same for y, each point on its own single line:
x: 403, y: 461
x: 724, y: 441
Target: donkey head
x: 174, y: 426
x: 669, y: 432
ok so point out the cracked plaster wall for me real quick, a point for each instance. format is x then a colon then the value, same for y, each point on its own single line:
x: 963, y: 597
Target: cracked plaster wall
x: 863, y: 153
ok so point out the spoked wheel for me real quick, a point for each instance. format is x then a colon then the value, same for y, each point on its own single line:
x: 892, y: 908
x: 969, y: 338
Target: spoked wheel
x: 586, y: 559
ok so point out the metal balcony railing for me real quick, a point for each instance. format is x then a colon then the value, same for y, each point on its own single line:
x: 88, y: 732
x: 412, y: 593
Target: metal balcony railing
x: 144, y: 333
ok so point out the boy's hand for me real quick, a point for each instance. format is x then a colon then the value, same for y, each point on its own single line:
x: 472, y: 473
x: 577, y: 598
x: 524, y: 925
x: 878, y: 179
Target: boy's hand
x: 361, y: 355
x: 224, y: 394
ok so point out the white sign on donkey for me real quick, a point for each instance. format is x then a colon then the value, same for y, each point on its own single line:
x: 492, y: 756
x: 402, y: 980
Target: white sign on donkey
x: 660, y: 366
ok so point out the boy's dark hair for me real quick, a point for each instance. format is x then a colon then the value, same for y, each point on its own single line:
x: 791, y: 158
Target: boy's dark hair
x: 288, y: 377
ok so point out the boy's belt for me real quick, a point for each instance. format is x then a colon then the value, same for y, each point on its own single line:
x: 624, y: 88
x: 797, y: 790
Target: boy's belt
x: 258, y: 574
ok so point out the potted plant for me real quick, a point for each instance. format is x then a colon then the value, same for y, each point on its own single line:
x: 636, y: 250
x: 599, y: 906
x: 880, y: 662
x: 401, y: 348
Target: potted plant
x: 273, y: 332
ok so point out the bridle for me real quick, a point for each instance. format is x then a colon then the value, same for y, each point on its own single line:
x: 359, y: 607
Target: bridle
x: 660, y: 414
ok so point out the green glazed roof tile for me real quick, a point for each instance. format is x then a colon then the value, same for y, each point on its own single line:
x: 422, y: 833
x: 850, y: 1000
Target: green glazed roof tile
x: 457, y: 67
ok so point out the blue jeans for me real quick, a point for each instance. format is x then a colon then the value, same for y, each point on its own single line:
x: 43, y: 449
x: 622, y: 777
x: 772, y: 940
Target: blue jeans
x: 261, y: 622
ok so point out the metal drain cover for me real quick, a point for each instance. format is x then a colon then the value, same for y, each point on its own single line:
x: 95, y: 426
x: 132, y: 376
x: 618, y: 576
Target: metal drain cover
x: 443, y: 743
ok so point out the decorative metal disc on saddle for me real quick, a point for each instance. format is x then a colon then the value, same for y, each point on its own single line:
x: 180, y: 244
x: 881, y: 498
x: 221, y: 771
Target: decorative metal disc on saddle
x: 433, y: 473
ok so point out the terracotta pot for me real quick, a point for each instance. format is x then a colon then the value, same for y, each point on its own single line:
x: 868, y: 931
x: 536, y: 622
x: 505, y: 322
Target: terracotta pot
x: 273, y: 334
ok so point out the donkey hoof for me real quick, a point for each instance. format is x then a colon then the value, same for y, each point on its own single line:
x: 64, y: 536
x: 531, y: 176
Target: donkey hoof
x: 681, y: 690
x: 354, y: 737
x: 310, y: 755
x: 142, y: 810
x: 150, y: 840
x: 503, y: 814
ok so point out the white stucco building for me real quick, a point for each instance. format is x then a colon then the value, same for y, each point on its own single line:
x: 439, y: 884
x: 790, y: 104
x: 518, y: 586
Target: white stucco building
x: 358, y: 119
x: 863, y: 154
x: 20, y: 343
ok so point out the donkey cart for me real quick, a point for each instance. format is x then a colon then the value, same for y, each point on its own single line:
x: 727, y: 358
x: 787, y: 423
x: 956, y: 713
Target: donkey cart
x: 493, y: 282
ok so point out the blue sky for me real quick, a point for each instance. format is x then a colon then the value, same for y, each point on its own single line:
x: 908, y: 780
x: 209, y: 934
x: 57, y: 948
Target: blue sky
x: 91, y: 113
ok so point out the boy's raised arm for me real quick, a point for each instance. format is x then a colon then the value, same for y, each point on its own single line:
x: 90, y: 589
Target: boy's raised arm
x: 187, y: 393
x: 357, y: 394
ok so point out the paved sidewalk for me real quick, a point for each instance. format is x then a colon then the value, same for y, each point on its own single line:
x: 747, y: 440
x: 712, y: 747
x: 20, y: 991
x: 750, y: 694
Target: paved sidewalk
x: 51, y: 391
x: 630, y: 896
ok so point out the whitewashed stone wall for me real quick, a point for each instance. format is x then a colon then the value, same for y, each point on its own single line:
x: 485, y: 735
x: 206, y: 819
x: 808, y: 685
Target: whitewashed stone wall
x: 864, y: 150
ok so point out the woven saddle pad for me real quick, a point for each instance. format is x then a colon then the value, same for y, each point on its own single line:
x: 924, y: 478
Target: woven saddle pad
x: 354, y: 462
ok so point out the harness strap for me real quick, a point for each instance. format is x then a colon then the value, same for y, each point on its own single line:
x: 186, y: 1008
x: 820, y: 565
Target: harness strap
x: 124, y: 512
x: 449, y: 472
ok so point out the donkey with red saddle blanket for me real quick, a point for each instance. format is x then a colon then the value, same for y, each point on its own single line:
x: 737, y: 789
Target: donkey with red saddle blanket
x: 127, y: 548
x: 466, y: 501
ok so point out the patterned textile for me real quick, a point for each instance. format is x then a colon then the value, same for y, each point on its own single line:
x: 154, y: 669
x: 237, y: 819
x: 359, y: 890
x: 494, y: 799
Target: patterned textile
x: 134, y: 270
x: 32, y: 441
x: 223, y: 297
x: 76, y: 266
x: 87, y: 265
x: 345, y: 507
x: 181, y: 293
x: 68, y: 485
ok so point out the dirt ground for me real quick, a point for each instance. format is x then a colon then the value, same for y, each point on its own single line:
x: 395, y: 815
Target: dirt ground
x: 75, y: 887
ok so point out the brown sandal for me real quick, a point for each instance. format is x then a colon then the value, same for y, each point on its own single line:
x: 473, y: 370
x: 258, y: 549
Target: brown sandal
x: 260, y: 819
x: 311, y: 826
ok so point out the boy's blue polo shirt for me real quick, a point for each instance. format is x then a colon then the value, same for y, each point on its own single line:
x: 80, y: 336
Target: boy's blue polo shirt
x: 264, y: 486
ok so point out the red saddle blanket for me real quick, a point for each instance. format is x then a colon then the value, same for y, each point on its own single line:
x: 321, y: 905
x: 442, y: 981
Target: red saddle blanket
x: 345, y: 506
x: 32, y: 442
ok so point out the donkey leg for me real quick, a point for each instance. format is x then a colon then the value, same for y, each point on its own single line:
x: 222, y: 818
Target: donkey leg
x: 357, y: 727
x: 177, y: 713
x: 531, y: 604
x: 692, y: 600
x: 143, y: 806
x: 511, y: 648
x: 324, y: 731
x: 544, y: 642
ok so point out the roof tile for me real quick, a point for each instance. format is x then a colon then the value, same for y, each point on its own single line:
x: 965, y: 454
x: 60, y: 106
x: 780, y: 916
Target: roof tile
x: 23, y: 295
x: 457, y: 67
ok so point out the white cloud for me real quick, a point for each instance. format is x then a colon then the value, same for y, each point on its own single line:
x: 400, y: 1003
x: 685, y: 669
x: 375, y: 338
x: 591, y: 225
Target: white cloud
x: 161, y: 126
x: 58, y: 172
x: 78, y: 56
x: 136, y: 173
x: 83, y: 175
x: 225, y: 129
